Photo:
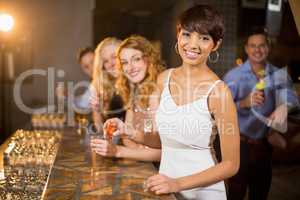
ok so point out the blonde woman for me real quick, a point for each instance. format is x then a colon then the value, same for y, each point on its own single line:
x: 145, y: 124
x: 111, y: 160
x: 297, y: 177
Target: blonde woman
x: 105, y: 103
x: 139, y: 64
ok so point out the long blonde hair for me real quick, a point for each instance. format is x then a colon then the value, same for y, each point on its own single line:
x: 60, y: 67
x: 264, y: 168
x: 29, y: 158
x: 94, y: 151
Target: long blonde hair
x: 144, y: 89
x: 103, y: 82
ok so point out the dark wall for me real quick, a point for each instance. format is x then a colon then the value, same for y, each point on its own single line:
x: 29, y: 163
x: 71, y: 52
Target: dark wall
x: 54, y: 30
x: 161, y: 26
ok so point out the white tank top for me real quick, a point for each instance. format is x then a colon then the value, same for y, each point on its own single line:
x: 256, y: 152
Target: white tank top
x: 186, y: 133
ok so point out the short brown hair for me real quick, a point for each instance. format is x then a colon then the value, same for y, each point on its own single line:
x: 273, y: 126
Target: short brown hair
x: 258, y: 30
x: 82, y: 52
x: 202, y: 19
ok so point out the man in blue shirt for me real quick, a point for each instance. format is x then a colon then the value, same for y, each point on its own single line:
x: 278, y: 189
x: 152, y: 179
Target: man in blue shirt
x: 263, y: 95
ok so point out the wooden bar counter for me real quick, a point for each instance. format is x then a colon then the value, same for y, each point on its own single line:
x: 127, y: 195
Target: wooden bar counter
x: 79, y: 174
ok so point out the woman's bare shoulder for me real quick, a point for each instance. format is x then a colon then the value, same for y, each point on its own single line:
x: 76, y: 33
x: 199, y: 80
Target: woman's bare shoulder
x: 162, y: 77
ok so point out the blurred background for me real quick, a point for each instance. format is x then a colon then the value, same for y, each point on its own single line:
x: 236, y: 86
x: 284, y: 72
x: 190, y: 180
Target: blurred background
x: 48, y: 33
x: 45, y: 35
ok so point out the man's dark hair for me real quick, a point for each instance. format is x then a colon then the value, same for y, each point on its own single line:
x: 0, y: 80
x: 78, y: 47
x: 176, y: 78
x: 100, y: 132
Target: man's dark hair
x: 257, y: 30
x: 83, y: 51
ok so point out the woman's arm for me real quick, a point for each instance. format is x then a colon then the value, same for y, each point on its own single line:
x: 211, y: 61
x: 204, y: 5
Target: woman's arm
x: 223, y: 108
x: 142, y: 153
x: 150, y: 139
x: 107, y: 149
x: 136, y: 137
x: 98, y: 120
x: 94, y: 101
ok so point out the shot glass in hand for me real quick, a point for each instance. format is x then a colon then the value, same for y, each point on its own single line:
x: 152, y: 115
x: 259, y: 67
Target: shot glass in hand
x: 145, y: 185
x: 110, y: 129
x: 261, y: 85
x: 259, y: 95
x: 94, y: 137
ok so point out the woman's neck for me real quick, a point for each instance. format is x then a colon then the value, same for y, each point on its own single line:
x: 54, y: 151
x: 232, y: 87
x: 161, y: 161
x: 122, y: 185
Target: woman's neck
x: 192, y: 70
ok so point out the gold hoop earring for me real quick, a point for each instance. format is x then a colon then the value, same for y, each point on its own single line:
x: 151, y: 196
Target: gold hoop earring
x: 176, y: 48
x: 216, y: 57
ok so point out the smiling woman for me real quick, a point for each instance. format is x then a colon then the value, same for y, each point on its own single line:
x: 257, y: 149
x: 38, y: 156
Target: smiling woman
x: 194, y: 104
x: 138, y: 66
x: 134, y: 65
x: 105, y: 102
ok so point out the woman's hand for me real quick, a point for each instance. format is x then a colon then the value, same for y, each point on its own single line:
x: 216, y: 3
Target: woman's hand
x: 119, y: 128
x: 104, y: 148
x: 161, y: 184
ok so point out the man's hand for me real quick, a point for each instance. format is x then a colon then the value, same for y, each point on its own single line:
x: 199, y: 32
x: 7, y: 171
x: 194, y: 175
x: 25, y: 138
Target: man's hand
x: 279, y: 115
x: 278, y: 119
x: 255, y: 98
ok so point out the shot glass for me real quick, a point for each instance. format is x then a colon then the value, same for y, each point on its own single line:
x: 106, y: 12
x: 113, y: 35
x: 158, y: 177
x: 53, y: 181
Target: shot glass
x: 93, y: 137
